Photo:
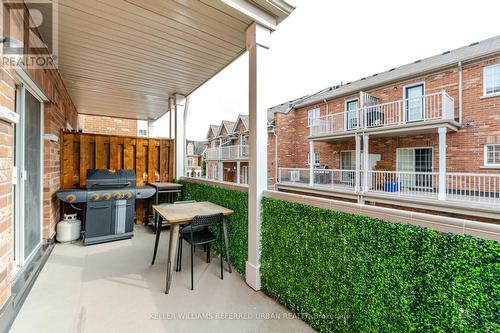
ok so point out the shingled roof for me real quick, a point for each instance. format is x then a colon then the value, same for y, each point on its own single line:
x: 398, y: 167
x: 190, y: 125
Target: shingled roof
x: 446, y: 59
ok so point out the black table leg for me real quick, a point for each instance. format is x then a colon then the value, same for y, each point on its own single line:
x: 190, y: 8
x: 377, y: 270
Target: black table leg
x: 226, y: 243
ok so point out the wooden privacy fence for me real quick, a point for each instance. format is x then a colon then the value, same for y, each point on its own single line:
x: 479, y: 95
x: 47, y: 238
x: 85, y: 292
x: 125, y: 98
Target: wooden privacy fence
x: 152, y: 159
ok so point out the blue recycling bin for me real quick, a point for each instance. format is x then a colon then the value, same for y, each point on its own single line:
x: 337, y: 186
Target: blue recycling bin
x: 391, y: 186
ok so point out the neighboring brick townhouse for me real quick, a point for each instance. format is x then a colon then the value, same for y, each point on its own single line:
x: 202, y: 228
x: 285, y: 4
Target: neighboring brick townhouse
x: 425, y: 136
x: 107, y: 125
x: 227, y: 152
x: 194, y: 158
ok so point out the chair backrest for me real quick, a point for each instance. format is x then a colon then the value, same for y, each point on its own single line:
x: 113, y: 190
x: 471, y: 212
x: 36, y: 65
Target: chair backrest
x: 206, y: 220
x: 184, y: 202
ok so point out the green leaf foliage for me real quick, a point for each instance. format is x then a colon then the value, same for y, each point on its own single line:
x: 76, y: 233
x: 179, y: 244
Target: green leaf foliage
x: 345, y: 273
x: 237, y: 223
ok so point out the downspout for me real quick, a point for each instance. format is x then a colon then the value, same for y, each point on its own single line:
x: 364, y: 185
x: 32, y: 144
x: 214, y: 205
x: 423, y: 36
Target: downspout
x: 460, y: 93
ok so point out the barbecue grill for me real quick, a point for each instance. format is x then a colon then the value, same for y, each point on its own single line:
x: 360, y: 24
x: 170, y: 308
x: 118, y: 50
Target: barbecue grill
x: 110, y: 204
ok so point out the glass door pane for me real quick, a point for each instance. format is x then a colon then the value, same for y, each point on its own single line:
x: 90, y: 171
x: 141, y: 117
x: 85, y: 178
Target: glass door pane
x: 414, y: 103
x: 351, y: 115
x: 406, y: 164
x: 423, y: 163
x: 32, y: 174
x: 347, y: 162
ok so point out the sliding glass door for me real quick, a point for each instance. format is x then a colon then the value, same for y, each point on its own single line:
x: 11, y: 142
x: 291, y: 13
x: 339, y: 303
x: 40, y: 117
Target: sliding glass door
x: 28, y: 189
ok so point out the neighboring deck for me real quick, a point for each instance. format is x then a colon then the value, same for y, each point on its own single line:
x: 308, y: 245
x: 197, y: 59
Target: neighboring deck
x: 113, y: 288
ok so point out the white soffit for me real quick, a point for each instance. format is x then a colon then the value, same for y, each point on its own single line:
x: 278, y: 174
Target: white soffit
x: 124, y: 58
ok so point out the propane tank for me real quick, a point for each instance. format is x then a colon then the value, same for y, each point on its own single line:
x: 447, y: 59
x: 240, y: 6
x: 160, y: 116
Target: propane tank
x: 69, y: 228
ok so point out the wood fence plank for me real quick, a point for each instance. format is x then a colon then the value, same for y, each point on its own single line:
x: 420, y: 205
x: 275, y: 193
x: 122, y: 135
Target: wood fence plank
x: 163, y: 160
x: 67, y: 159
x: 84, y: 159
x: 139, y: 161
x: 171, y: 161
x: 128, y: 154
x: 151, y: 161
x: 113, y: 153
x: 99, y: 153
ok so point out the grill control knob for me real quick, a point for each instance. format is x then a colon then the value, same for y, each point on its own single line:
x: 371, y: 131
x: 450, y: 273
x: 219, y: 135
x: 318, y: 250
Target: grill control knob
x: 128, y: 195
x: 94, y: 197
x: 117, y: 195
x: 106, y: 196
x: 71, y: 197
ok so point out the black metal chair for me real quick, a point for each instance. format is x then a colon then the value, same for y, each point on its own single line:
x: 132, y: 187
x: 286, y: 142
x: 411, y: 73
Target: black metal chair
x: 157, y: 240
x: 198, y: 233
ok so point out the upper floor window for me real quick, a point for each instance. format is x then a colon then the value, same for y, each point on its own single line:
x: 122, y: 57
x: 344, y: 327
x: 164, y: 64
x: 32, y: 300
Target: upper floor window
x: 313, y: 117
x: 491, y: 80
x: 316, y: 159
x: 190, y: 149
x: 492, y: 155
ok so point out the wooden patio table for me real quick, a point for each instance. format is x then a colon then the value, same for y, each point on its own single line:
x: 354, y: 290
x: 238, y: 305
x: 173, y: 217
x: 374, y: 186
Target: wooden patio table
x: 180, y: 214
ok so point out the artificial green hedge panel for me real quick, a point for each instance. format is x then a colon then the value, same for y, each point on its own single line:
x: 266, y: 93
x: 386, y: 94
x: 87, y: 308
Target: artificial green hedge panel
x: 345, y: 273
x: 237, y: 223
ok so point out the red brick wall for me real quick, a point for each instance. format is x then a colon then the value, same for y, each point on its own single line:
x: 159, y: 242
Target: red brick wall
x: 464, y: 148
x: 107, y: 125
x: 58, y: 113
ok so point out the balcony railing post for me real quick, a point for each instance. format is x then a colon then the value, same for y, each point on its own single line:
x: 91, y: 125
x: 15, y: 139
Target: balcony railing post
x: 358, y: 164
x: 311, y: 163
x: 443, y: 104
x: 442, y: 163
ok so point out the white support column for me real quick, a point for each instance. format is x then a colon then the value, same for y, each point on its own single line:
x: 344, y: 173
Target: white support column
x: 311, y: 163
x: 171, y: 123
x: 238, y: 172
x: 366, y: 161
x: 442, y: 163
x: 220, y: 171
x: 257, y: 42
x: 357, y: 139
x: 180, y: 110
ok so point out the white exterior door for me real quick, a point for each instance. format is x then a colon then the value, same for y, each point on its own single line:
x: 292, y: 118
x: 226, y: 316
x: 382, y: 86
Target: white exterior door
x: 28, y: 177
x: 414, y: 102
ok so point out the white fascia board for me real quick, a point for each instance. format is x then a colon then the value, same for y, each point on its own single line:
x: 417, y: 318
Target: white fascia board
x: 253, y: 12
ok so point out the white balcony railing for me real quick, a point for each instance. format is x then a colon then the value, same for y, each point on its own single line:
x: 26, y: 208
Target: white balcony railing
x: 227, y: 153
x: 463, y: 187
x: 325, y: 178
x: 420, y: 109
x: 335, y: 123
x: 406, y: 183
x: 473, y: 187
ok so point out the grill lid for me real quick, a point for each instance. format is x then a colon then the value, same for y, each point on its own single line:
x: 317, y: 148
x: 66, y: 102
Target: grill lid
x: 102, y: 178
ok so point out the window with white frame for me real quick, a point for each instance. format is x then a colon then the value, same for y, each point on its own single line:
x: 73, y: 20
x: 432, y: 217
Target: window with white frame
x: 190, y: 149
x: 316, y: 159
x: 313, y: 117
x: 491, y: 81
x: 190, y: 162
x: 492, y: 155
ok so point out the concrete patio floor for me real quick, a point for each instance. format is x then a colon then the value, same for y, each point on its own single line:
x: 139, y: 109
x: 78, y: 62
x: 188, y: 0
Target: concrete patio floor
x: 113, y: 288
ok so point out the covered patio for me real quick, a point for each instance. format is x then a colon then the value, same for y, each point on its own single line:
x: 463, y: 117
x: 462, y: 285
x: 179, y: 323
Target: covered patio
x: 113, y: 287
x: 336, y: 265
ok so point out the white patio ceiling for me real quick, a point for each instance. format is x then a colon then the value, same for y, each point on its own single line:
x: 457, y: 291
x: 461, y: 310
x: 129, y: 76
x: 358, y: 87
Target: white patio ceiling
x: 124, y: 58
